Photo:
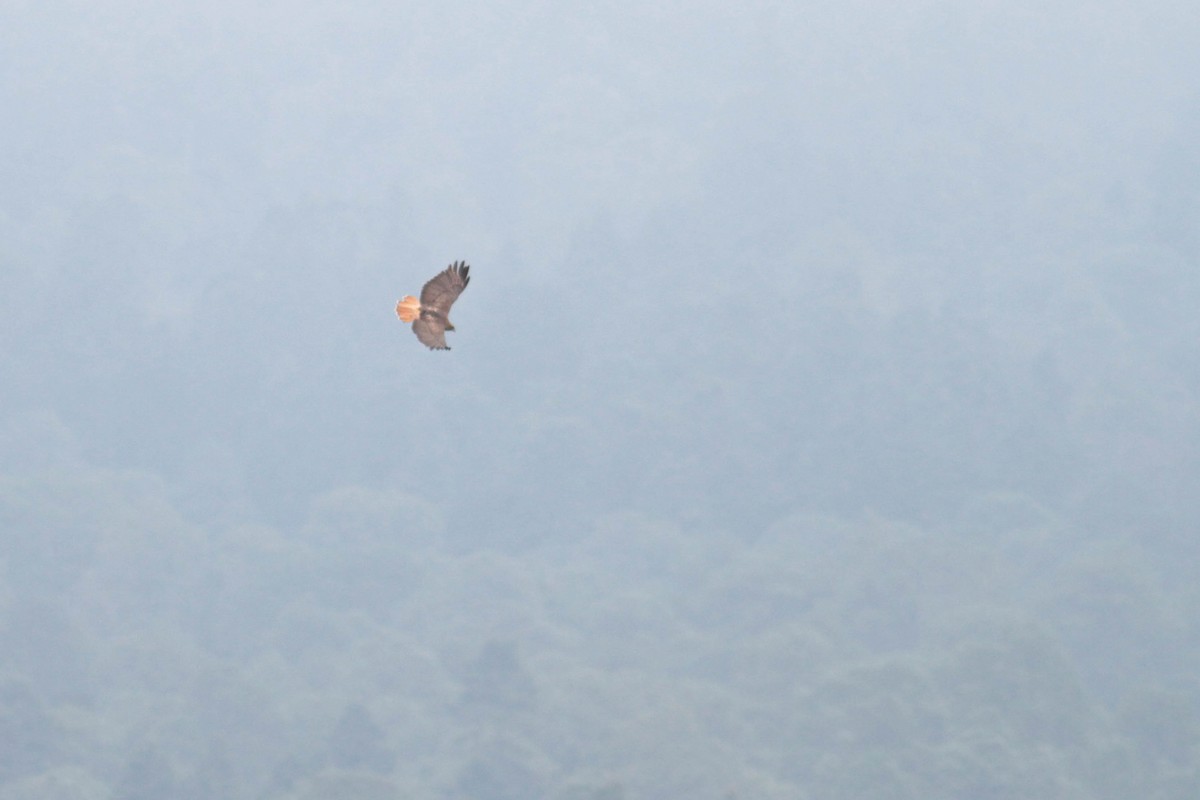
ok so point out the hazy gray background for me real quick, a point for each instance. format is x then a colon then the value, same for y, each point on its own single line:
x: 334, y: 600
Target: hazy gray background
x: 822, y: 420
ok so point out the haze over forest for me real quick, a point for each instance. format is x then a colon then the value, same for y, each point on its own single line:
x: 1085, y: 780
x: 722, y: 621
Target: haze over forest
x: 822, y: 421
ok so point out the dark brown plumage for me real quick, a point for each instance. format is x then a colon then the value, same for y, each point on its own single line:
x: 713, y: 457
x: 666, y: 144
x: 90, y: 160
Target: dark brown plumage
x: 430, y: 315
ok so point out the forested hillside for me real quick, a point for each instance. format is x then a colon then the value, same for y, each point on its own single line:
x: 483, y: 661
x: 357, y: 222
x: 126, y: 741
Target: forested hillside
x: 823, y: 418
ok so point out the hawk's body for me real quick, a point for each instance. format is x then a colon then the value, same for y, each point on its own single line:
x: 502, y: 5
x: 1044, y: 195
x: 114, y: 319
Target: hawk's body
x: 430, y: 315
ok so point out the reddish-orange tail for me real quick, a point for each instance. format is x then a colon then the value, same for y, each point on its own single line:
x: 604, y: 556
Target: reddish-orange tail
x: 408, y: 309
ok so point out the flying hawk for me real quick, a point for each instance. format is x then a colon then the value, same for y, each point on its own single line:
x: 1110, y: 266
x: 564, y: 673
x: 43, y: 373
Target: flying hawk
x: 430, y: 315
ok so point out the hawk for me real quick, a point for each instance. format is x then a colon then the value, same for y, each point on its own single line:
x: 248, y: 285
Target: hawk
x: 430, y: 315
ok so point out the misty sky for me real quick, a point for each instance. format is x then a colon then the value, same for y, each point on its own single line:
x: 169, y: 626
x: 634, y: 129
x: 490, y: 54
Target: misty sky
x: 836, y: 256
x: 683, y: 220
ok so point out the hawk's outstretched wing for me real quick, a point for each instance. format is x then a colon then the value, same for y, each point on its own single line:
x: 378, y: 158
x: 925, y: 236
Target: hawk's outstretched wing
x: 444, y: 288
x: 432, y: 333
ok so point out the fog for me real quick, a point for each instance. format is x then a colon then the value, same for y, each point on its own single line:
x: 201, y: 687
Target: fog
x: 822, y: 418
